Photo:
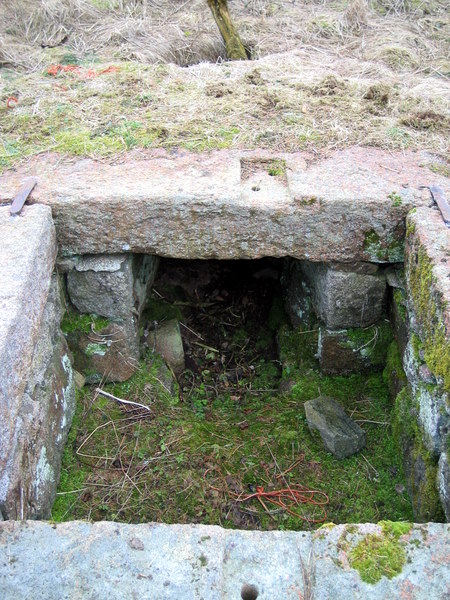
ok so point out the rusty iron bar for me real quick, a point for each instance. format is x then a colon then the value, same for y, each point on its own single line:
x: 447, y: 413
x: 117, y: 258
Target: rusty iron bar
x: 437, y: 193
x: 21, y: 197
x: 441, y: 201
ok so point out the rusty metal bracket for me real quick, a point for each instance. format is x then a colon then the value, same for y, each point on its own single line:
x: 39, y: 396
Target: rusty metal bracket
x: 437, y: 193
x: 21, y: 197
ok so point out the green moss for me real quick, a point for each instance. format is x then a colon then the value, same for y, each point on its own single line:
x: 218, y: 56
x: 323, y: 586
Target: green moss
x: 420, y: 464
x: 380, y: 555
x: 307, y: 201
x: 393, y: 373
x: 439, y: 168
x: 370, y: 342
x: 390, y: 250
x: 400, y: 303
x: 158, y: 309
x: 395, y: 198
x: 77, y: 322
x: 277, y: 168
x: 429, y: 308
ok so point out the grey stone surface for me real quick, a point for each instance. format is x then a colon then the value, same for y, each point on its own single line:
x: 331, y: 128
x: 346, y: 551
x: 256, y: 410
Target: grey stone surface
x: 342, y: 352
x: 297, y: 295
x: 43, y: 421
x: 201, y: 206
x: 166, y: 340
x: 341, y: 436
x: 27, y: 255
x: 344, y: 298
x: 443, y: 483
x: 431, y: 400
x: 111, y: 286
x: 74, y: 561
x: 108, y: 354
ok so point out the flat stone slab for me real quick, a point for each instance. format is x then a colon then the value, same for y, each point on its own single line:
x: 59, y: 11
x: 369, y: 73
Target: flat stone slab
x: 348, y: 207
x: 27, y: 256
x: 341, y: 436
x: 193, y: 562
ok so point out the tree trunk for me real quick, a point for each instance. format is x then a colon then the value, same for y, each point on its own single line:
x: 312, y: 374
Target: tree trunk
x: 235, y: 48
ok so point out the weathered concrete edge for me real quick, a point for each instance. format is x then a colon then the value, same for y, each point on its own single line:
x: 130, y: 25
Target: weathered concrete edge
x: 154, y: 561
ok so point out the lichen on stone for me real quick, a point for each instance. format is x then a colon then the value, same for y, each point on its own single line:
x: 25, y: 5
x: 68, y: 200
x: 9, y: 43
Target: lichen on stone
x: 389, y: 250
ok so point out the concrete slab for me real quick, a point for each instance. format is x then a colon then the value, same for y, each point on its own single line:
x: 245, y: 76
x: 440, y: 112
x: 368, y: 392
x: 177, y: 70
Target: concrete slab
x: 151, y: 561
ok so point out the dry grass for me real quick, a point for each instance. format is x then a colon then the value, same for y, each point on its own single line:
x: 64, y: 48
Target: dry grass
x: 388, y: 60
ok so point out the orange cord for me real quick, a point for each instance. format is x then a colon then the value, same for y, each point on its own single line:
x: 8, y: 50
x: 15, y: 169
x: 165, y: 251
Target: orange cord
x: 11, y: 102
x: 286, y: 498
x: 79, y: 71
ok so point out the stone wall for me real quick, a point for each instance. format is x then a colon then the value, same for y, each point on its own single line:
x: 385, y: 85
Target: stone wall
x: 37, y: 397
x: 421, y: 308
x: 341, y: 219
x: 353, y: 305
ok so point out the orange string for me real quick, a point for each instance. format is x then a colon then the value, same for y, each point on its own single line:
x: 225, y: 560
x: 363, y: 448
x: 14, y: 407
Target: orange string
x: 286, y: 498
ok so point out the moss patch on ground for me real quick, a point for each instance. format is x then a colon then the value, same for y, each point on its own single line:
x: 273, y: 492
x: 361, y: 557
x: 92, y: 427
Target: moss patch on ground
x: 237, y: 423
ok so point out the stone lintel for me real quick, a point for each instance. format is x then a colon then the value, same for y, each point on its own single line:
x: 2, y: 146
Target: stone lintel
x: 231, y: 205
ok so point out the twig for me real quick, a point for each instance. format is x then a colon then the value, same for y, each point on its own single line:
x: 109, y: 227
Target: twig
x: 192, y: 331
x: 121, y: 400
x: 389, y: 169
x: 371, y: 466
x: 367, y: 421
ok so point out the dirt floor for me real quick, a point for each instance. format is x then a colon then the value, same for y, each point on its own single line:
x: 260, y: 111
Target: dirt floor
x: 101, y: 77
x: 234, y: 423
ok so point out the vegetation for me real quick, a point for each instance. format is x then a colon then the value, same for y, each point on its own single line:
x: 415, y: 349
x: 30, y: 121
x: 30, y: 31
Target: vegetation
x: 381, y: 554
x: 235, y: 423
x: 98, y: 78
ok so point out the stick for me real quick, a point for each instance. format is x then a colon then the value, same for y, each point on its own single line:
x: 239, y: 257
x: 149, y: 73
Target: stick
x: 111, y: 397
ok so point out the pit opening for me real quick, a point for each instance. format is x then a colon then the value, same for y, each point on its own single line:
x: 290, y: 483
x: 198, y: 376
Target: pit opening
x: 231, y: 424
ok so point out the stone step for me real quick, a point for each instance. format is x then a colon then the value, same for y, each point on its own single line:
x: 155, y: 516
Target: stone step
x: 79, y: 560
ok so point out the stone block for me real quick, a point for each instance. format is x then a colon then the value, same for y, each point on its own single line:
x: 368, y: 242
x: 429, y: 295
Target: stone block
x: 166, y: 341
x: 27, y: 255
x: 353, y: 350
x: 42, y: 422
x: 427, y: 268
x: 188, y: 205
x: 341, y: 436
x: 113, y: 286
x: 297, y: 295
x: 109, y: 353
x: 432, y: 401
x: 347, y: 295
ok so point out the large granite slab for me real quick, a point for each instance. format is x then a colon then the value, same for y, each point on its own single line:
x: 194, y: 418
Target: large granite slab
x: 78, y: 560
x: 350, y: 206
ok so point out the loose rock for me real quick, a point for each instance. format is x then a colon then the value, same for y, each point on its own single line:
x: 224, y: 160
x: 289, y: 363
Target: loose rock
x: 341, y: 436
